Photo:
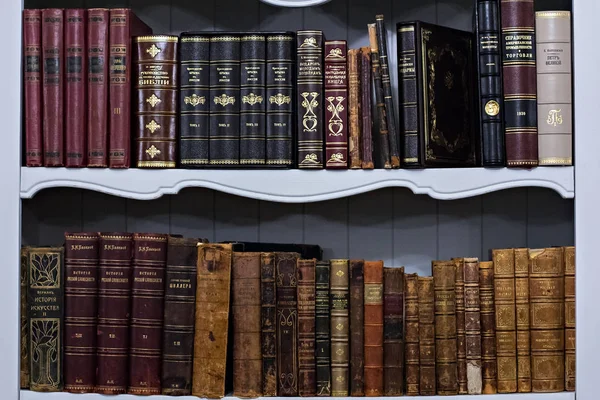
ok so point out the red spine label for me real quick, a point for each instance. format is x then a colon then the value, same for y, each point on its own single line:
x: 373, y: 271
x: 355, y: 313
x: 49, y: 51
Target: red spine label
x: 32, y: 72
x: 336, y: 105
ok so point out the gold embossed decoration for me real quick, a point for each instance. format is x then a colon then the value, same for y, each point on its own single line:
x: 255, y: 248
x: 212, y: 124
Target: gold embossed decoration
x: 554, y: 117
x: 336, y: 124
x: 310, y: 159
x: 153, y: 50
x: 194, y: 100
x: 492, y: 108
x: 336, y: 158
x: 335, y: 53
x: 309, y: 42
x: 280, y: 99
x: 153, y: 100
x: 224, y: 100
x: 252, y: 99
x: 152, y: 126
x: 340, y: 273
x: 309, y: 119
x: 152, y: 151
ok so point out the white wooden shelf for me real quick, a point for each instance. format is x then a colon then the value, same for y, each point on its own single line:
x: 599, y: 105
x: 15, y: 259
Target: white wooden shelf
x: 297, y: 186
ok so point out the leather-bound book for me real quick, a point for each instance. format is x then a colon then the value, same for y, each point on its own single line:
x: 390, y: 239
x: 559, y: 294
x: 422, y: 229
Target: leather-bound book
x: 411, y: 339
x: 489, y: 369
x: 178, y: 325
x: 504, y: 300
x: 322, y: 325
x: 75, y: 88
x: 268, y: 324
x: 97, y: 91
x: 522, y: 320
x: 569, y: 253
x: 340, y: 323
x: 155, y: 127
x: 24, y: 348
x: 519, y: 78
x: 547, y: 312
x: 366, y: 145
x: 311, y: 127
x: 357, y: 328
x: 489, y: 82
x: 53, y: 73
x: 354, y: 103
x: 554, y: 87
x: 81, y: 290
x: 246, y: 309
x: 461, y: 345
x: 212, y: 319
x: 124, y: 24
x: 393, y: 331
x: 287, y: 323
x: 373, y: 278
x: 427, y: 384
x: 306, y: 251
x: 472, y: 326
x: 445, y: 327
x: 253, y: 106
x: 307, y: 384
x: 336, y: 106
x: 32, y: 86
x: 45, y: 314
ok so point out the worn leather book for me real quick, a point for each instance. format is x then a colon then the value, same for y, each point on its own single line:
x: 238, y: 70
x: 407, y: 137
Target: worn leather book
x: 366, y: 145
x: 75, y: 88
x: 24, y: 347
x: 269, y: 322
x: 81, y: 294
x: 472, y: 326
x: 322, y: 325
x: 32, y: 86
x: 124, y: 24
x: 307, y: 380
x: 357, y: 328
x: 53, y: 73
x: 445, y: 327
x: 178, y: 325
x: 461, y: 345
x: 246, y: 310
x: 373, y: 277
x: 340, y: 323
x: 504, y: 300
x: 45, y: 314
x: 355, y: 110
x: 522, y: 320
x: 336, y: 106
x: 393, y: 331
x: 519, y: 78
x: 306, y: 251
x: 310, y: 99
x: 554, y: 87
x: 489, y: 370
x: 490, y: 105
x: 411, y: 339
x: 287, y: 323
x: 427, y: 382
x: 547, y: 313
x: 569, y: 253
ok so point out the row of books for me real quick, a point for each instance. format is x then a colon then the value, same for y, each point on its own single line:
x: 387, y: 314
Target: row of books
x: 151, y: 313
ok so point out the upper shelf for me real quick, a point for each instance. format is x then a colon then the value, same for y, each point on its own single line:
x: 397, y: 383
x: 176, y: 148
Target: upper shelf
x: 297, y: 186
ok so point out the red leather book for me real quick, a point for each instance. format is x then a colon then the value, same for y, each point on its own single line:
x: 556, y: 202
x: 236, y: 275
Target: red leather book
x: 336, y: 105
x: 123, y: 25
x: 32, y: 87
x: 76, y: 85
x: 53, y: 70
x: 97, y: 120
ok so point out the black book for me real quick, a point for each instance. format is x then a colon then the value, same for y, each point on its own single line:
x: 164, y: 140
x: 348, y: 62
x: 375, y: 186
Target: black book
x: 306, y: 251
x: 322, y: 343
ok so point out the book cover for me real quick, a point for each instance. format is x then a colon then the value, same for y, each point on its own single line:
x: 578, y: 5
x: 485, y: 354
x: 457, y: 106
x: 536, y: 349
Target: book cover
x: 461, y: 345
x: 489, y: 369
x: 393, y: 331
x: 427, y: 381
x: 522, y: 320
x: 336, y: 106
x: 472, y: 326
x: 366, y: 145
x: 569, y: 253
x: 357, y: 328
x: 307, y: 384
x: 269, y: 323
x: 32, y: 86
x: 322, y: 325
x: 373, y: 278
x: 340, y: 323
x: 411, y: 337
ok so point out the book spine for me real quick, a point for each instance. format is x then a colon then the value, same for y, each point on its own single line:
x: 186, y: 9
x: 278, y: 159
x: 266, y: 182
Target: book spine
x: 32, y: 87
x: 24, y: 346
x: 366, y: 145
x: 194, y: 101
x: 519, y: 78
x: 489, y: 369
x: 547, y: 303
x: 53, y: 72
x: 268, y: 324
x: 522, y: 320
x: 310, y: 99
x: 46, y: 277
x: 472, y: 326
x: 322, y: 325
x: 253, y: 104
x: 427, y: 383
x: 354, y: 114
x: 461, y: 345
x: 340, y: 321
x: 336, y: 106
x: 178, y: 326
x: 246, y: 309
x: 357, y: 328
x: 373, y: 278
x: 554, y: 87
x: 411, y: 339
x: 81, y: 290
x: 569, y: 253
x: 393, y: 331
x: 307, y: 383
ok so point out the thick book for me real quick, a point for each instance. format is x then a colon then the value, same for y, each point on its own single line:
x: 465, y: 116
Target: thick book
x: 366, y: 144
x: 357, y: 328
x: 435, y: 66
x: 268, y: 324
x: 24, y: 343
x: 32, y: 86
x: 354, y: 105
x: 306, y: 251
x: 340, y: 323
x: 307, y: 384
x: 45, y: 314
x: 246, y: 312
x: 427, y: 383
x: 81, y: 291
x: 178, y: 322
x: 393, y: 331
x: 373, y: 278
x: 382, y: 137
x: 411, y: 336
x: 554, y: 87
x: 569, y: 253
x: 310, y: 110
x: 472, y: 326
x: 461, y: 345
x: 489, y: 369
x: 522, y: 320
x: 336, y: 106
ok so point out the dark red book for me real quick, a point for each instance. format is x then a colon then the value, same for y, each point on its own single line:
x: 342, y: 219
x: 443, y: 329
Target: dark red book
x: 53, y: 71
x: 336, y: 104
x: 75, y: 98
x: 32, y: 87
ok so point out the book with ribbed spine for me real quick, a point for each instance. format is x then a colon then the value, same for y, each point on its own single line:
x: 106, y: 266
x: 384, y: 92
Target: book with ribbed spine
x: 340, y: 323
x: 473, y: 326
x: 411, y: 337
x: 336, y: 106
x: 366, y: 145
x: 461, y: 345
x: 393, y: 331
x: 24, y: 356
x: 32, y: 87
x: 307, y: 384
x: 489, y: 370
x: 357, y: 328
x: 322, y: 325
x: 373, y: 278
x: 522, y: 320
x: 268, y: 324
x: 569, y: 253
x: 354, y: 105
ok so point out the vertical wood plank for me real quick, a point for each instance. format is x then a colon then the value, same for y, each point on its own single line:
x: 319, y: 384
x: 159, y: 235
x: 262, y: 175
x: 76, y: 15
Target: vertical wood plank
x: 192, y: 15
x: 550, y: 219
x: 504, y: 223
x: 192, y: 213
x: 326, y: 224
x: 456, y: 14
x: 280, y: 222
x: 330, y: 17
x: 103, y: 213
x: 155, y: 13
x: 459, y: 228
x: 148, y: 216
x: 235, y: 15
x: 236, y: 218
x: 273, y: 18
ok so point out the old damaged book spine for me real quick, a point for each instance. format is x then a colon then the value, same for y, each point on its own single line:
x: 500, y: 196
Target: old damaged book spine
x: 473, y: 326
x: 489, y: 369
x: 24, y: 365
x: 322, y: 327
x: 522, y: 320
x: 373, y: 277
x: 357, y: 328
x: 306, y: 328
x: 393, y: 331
x: 336, y: 106
x: 461, y: 346
x: 427, y: 383
x: 411, y: 339
x: 340, y: 322
x: 569, y: 253
x: 32, y: 86
x: 366, y: 145
x: 354, y: 105
x: 268, y: 324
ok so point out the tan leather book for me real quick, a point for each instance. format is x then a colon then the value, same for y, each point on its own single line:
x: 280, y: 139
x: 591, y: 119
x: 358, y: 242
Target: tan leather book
x: 472, y: 325
x: 340, y: 322
x: 569, y: 253
x: 489, y: 371
x: 355, y: 111
x: 268, y: 324
x: 212, y: 319
x: 427, y: 385
x: 547, y: 311
x: 411, y: 337
x: 373, y: 275
x: 307, y: 374
x: 522, y: 315
x: 461, y: 345
x: 393, y: 332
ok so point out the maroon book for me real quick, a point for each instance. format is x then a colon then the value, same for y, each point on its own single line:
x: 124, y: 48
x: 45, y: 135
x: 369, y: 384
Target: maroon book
x: 336, y: 104
x: 75, y: 99
x: 53, y: 71
x: 32, y: 73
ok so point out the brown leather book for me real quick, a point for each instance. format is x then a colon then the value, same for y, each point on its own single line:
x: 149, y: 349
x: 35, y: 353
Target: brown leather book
x: 472, y: 326
x: 393, y: 331
x: 489, y: 369
x: 427, y: 384
x: 354, y: 104
x: 24, y: 366
x: 522, y: 320
x: 373, y: 271
x: 366, y: 149
x: 445, y: 327
x: 336, y: 108
x: 357, y: 328
x: 504, y: 300
x: 81, y: 291
x: 547, y: 311
x: 212, y: 319
x: 461, y: 345
x: 411, y: 339
x: 340, y: 323
x: 246, y: 309
x: 32, y: 86
x: 268, y: 324
x: 569, y: 253
x: 307, y: 380
x: 323, y: 325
